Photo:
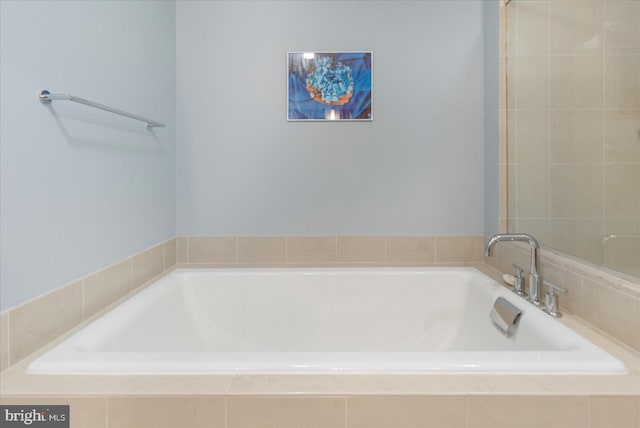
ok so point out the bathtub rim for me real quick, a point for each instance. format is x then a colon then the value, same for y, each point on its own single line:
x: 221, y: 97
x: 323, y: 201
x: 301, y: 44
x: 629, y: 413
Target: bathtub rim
x: 14, y: 382
x: 486, y: 369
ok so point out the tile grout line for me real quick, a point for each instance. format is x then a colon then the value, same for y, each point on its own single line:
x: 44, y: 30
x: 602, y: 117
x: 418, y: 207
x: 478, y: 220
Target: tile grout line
x: 286, y: 249
x: 386, y: 249
x: 346, y: 412
x: 435, y: 249
x: 548, y: 213
x: 466, y: 405
x: 604, y: 125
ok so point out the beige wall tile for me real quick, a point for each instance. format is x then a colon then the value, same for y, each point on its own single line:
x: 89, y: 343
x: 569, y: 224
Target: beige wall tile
x: 105, y: 287
x: 576, y: 136
x: 23, y: 385
x: 322, y: 249
x: 621, y: 135
x: 459, y: 249
x: 623, y: 182
x: 532, y: 82
x: 285, y: 412
x: 308, y: 384
x: 362, y: 249
x: 511, y: 28
x: 512, y: 83
x: 512, y: 136
x: 577, y: 191
x: 532, y: 136
x: 512, y: 195
x: 182, y: 253
x: 147, y: 265
x: 621, y: 82
x: 576, y: 82
x: 406, y: 249
x: 537, y: 227
x: 532, y: 191
x: 261, y: 249
x: 4, y: 340
x: 406, y: 412
x: 576, y: 27
x: 502, y: 177
x: 533, y: 28
x: 166, y: 412
x: 613, y: 311
x: 621, y: 245
x: 169, y: 253
x: 528, y: 412
x: 83, y: 412
x: 614, y: 412
x: 212, y: 249
x: 509, y: 19
x: 38, y: 322
x: 502, y: 96
x: 622, y: 29
x: 579, y: 237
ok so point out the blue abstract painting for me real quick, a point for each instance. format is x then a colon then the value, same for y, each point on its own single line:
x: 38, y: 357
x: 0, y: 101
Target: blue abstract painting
x: 329, y: 86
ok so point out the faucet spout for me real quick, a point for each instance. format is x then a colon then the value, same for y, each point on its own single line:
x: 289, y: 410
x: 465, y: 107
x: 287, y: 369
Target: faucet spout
x: 534, y: 276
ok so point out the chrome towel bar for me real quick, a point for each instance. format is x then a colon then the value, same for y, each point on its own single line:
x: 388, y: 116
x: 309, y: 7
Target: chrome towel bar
x: 46, y: 97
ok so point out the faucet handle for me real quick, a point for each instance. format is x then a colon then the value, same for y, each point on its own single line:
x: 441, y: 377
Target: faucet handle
x: 517, y: 268
x: 554, y: 287
x: 551, y: 299
x: 518, y: 281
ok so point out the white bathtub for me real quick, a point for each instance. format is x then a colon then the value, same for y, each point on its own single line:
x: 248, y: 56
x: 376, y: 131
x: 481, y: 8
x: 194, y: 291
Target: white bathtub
x: 322, y: 320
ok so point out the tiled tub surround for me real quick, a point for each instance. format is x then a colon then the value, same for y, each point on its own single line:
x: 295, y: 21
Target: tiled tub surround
x: 31, y: 325
x: 608, y: 301
x: 342, y: 400
x: 329, y: 250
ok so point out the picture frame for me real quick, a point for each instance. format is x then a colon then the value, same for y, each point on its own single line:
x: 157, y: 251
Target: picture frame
x: 330, y: 86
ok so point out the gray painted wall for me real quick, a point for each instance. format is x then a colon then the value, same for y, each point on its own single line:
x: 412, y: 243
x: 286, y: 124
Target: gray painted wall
x: 416, y: 169
x: 491, y: 129
x: 82, y: 188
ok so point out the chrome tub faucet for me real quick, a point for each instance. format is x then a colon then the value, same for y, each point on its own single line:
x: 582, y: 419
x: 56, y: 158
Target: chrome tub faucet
x: 535, y: 281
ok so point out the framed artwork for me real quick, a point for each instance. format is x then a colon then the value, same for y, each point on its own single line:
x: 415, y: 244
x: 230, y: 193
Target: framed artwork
x: 329, y: 86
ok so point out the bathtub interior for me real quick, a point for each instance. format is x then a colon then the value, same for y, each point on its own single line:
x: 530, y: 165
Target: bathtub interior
x: 294, y: 320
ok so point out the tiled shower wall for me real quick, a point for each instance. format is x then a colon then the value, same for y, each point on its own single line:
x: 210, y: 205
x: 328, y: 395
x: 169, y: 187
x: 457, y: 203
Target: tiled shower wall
x: 573, y: 114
